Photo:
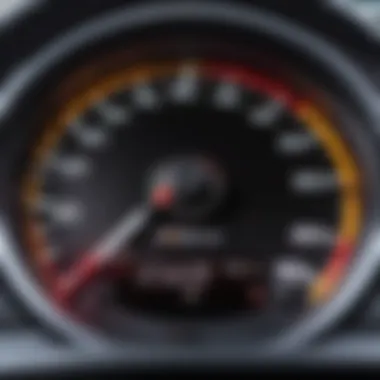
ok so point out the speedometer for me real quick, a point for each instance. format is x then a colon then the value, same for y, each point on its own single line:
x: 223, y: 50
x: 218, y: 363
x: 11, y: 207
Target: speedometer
x: 213, y: 185
x: 189, y: 188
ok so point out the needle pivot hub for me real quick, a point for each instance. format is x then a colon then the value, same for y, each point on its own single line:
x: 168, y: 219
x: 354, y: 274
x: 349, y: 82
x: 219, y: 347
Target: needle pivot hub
x: 188, y: 187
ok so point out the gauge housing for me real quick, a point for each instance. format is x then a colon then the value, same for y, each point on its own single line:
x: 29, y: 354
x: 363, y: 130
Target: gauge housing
x: 333, y: 74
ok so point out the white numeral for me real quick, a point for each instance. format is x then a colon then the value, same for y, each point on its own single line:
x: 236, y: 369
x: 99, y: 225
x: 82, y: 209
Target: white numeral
x: 266, y: 115
x: 294, y: 143
x: 73, y: 167
x: 311, y: 235
x: 227, y: 96
x: 114, y: 114
x: 293, y: 272
x: 185, y: 88
x: 64, y: 213
x: 313, y: 182
x: 92, y: 137
x: 145, y: 97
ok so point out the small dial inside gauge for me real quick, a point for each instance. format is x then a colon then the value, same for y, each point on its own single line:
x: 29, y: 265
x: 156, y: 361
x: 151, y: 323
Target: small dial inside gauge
x: 190, y: 190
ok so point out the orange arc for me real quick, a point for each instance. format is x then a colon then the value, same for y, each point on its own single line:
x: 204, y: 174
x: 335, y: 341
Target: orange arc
x: 313, y: 118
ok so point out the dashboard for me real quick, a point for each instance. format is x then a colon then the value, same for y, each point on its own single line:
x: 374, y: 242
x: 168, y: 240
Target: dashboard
x: 189, y: 184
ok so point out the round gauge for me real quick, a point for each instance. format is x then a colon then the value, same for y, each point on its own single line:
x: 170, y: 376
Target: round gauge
x: 180, y: 174
x: 189, y: 191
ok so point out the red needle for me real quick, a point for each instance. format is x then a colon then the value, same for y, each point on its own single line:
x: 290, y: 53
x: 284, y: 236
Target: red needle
x: 103, y: 254
x: 78, y: 277
x: 113, y: 245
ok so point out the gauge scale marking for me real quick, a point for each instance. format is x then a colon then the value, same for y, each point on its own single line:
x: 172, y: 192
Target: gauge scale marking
x: 275, y: 188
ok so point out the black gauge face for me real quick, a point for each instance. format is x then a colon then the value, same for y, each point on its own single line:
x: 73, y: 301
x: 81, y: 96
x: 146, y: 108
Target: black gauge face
x: 190, y: 190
